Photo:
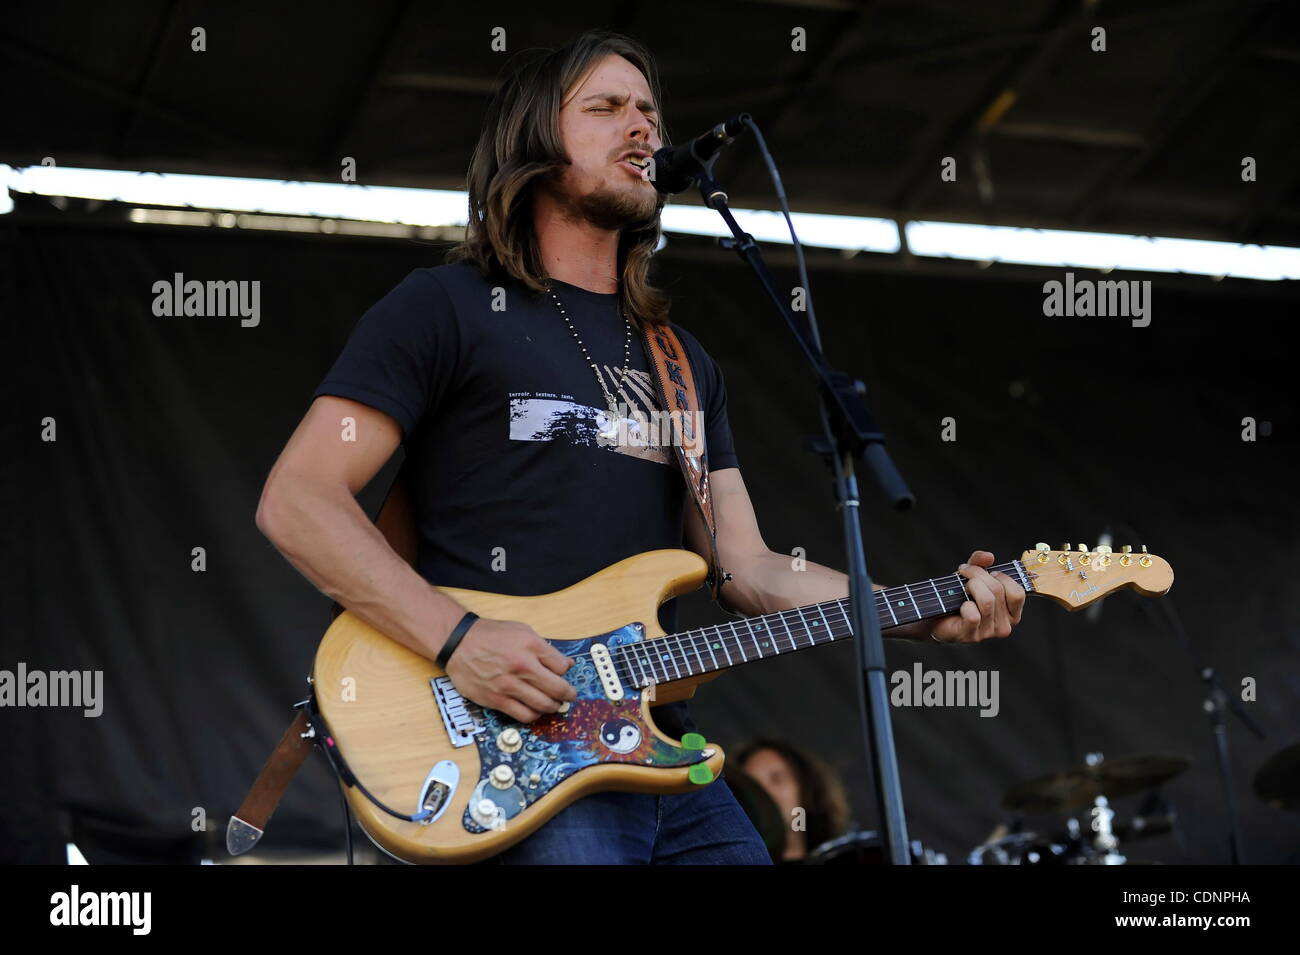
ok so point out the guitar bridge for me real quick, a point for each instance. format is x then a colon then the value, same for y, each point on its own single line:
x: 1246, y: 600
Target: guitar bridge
x: 462, y: 718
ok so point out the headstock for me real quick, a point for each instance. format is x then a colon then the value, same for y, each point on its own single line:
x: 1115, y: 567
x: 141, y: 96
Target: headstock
x: 1076, y: 577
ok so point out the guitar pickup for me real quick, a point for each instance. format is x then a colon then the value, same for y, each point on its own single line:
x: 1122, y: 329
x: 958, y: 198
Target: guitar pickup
x: 604, y: 664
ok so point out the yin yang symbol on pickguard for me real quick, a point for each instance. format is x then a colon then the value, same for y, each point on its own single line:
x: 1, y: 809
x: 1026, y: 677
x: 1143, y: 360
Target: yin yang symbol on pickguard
x: 620, y: 735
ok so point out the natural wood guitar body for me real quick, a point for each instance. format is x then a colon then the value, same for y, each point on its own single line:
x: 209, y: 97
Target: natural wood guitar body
x: 375, y: 697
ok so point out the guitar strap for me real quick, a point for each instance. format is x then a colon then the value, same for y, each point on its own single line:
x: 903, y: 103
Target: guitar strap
x: 396, y: 522
x: 675, y: 386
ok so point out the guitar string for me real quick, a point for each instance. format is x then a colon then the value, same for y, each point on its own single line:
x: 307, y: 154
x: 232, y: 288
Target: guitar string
x: 882, y: 600
x: 677, y: 650
x: 681, y: 651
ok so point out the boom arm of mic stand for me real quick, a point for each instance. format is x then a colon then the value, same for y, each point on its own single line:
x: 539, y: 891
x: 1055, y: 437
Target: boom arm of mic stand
x: 851, y: 434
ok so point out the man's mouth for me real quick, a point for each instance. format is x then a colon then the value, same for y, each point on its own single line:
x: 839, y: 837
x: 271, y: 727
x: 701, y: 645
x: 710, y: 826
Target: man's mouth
x: 638, y: 163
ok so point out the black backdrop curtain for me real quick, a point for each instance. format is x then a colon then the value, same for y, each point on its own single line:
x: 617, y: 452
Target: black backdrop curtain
x: 167, y: 427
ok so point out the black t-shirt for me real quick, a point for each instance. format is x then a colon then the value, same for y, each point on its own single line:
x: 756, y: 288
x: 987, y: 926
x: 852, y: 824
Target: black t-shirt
x: 499, y: 410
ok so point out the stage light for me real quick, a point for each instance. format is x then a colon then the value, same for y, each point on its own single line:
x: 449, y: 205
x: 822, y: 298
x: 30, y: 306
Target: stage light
x: 860, y: 233
x: 326, y: 200
x: 1101, y: 250
x: 397, y: 212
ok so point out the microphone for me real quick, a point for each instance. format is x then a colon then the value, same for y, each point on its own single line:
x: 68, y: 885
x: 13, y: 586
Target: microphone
x: 1093, y: 613
x: 675, y: 168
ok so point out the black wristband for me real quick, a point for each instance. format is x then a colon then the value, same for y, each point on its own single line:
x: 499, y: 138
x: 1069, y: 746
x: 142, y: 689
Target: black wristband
x: 453, y: 641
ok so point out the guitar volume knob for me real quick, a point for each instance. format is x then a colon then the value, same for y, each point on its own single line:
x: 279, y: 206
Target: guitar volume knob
x: 502, y: 777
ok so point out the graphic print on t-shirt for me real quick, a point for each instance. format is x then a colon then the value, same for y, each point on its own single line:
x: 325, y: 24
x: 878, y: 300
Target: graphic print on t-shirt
x: 642, y: 430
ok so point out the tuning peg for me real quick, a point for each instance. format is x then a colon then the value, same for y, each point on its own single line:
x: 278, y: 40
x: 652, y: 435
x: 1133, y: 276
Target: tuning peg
x: 1041, y: 546
x: 1104, y: 549
x: 1065, y: 546
x: 1083, y: 548
x: 1146, y: 558
x: 1127, y: 548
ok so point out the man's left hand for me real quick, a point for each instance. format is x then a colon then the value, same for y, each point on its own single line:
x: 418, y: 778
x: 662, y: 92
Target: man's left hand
x: 996, y: 601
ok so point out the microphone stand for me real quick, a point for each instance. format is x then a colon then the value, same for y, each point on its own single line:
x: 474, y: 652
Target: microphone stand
x: 850, y: 434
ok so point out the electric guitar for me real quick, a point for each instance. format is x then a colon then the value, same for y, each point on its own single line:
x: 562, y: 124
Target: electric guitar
x: 436, y: 778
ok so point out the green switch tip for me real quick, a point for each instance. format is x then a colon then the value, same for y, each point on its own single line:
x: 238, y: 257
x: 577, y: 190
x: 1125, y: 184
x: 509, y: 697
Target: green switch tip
x: 701, y: 774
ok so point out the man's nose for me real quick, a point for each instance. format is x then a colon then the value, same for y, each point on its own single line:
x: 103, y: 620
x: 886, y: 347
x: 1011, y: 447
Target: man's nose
x: 640, y: 130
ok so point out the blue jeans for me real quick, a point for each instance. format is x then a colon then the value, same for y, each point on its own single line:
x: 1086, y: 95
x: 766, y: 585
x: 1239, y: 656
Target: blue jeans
x: 703, y: 827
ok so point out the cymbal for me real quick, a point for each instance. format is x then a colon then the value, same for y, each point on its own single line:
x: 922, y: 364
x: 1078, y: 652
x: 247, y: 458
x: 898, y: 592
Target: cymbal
x: 1278, y: 780
x: 1076, y: 788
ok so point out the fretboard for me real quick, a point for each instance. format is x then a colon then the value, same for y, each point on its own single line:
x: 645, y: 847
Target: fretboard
x: 677, y: 656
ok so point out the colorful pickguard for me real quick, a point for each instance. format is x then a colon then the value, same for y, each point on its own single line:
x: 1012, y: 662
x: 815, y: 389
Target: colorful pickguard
x: 594, y: 730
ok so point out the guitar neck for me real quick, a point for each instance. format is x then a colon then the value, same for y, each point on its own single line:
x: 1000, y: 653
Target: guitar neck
x: 678, y: 656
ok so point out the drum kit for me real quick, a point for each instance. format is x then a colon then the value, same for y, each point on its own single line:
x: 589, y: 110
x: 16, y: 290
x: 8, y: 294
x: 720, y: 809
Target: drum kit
x: 1092, y: 840
x: 1090, y: 835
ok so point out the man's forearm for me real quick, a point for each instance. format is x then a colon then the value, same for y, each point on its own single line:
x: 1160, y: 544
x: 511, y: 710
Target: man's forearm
x: 777, y: 582
x: 323, y: 532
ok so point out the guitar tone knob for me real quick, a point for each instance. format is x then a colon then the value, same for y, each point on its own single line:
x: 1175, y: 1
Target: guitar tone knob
x: 509, y: 740
x: 502, y: 777
x: 487, y: 814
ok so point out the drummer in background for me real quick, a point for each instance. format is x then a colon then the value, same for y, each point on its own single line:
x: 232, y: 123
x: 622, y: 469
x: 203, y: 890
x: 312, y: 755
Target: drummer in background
x: 795, y: 778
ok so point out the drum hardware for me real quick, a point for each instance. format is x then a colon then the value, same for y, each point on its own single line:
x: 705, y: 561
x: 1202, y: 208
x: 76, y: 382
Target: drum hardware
x: 864, y: 848
x: 1096, y: 841
x: 1079, y: 788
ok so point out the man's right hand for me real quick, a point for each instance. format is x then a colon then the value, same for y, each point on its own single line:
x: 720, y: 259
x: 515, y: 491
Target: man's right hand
x: 506, y: 665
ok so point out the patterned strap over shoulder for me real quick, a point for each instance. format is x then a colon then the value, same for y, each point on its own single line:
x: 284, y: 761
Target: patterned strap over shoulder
x: 675, y: 385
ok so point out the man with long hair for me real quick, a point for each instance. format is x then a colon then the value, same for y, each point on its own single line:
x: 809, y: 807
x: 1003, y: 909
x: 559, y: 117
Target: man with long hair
x: 797, y: 780
x: 505, y: 373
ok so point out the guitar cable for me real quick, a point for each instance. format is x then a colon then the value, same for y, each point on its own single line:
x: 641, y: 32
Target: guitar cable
x: 347, y: 818
x: 325, y: 742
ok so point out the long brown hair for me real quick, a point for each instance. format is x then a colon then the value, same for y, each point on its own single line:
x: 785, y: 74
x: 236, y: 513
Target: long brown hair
x: 521, y: 142
x: 820, y: 791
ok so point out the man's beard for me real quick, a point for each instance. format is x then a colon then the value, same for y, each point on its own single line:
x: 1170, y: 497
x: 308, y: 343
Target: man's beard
x: 612, y: 209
